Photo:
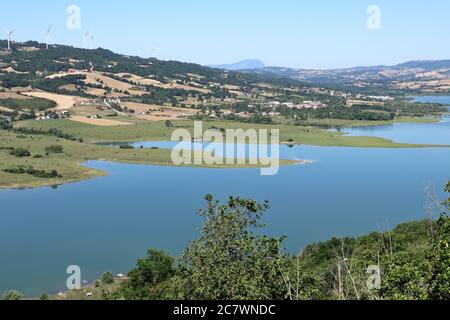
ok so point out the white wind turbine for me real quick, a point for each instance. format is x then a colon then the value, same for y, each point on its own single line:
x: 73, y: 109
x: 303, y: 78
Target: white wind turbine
x: 47, y: 36
x: 92, y: 40
x: 153, y: 52
x: 85, y: 37
x: 8, y: 34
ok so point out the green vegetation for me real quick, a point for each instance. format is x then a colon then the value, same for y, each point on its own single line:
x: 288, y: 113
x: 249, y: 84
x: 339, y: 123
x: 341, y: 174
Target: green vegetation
x: 21, y: 169
x: 231, y: 260
x: 108, y: 278
x: 12, y: 295
x: 29, y: 104
x: 68, y: 164
x: 75, y: 143
x: 20, y: 153
x: 158, y: 131
x: 44, y: 296
x: 145, y: 279
x: 56, y: 148
x: 388, y: 112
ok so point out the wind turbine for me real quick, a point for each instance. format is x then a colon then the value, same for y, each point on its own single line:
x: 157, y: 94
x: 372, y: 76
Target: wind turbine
x: 47, y: 36
x: 85, y: 37
x: 92, y: 40
x: 8, y: 34
x: 153, y: 52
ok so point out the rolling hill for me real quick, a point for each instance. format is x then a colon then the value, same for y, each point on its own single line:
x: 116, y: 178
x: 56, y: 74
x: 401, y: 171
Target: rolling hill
x: 413, y: 76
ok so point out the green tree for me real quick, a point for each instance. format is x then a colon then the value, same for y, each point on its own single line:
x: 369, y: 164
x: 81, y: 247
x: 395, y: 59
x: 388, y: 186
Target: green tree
x: 20, y: 152
x: 54, y: 149
x: 150, y: 272
x: 44, y: 296
x: 229, y: 260
x: 108, y: 278
x: 12, y: 295
x: 406, y: 278
x: 440, y: 256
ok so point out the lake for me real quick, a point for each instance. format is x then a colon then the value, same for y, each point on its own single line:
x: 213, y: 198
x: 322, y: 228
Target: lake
x: 422, y: 133
x: 107, y: 223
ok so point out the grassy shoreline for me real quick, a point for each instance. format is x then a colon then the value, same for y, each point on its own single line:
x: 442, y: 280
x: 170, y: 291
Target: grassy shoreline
x: 70, y: 163
x: 157, y: 131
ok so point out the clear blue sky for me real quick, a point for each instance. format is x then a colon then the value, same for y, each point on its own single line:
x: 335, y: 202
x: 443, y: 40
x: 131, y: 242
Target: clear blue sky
x: 293, y: 33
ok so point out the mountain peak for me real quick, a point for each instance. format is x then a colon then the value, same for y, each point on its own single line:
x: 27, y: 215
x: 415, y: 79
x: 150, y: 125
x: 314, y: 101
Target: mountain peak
x: 247, y: 64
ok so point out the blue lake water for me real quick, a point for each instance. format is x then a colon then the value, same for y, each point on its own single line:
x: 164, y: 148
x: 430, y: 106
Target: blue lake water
x: 422, y: 133
x: 107, y: 223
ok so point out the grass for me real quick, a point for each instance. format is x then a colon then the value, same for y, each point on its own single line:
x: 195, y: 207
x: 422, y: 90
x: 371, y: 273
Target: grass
x: 336, y: 123
x: 95, y: 291
x: 157, y: 131
x: 69, y: 163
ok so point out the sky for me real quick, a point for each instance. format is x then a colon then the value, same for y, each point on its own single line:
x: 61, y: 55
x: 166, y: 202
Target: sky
x: 290, y: 33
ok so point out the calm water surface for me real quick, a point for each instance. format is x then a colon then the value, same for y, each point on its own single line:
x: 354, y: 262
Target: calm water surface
x: 108, y: 223
x: 434, y: 133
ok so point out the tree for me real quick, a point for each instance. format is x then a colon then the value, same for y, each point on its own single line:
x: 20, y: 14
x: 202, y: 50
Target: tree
x: 440, y: 256
x: 54, y: 149
x: 169, y: 124
x: 229, y: 260
x: 44, y: 296
x: 12, y: 295
x: 108, y: 278
x: 20, y: 152
x: 156, y: 268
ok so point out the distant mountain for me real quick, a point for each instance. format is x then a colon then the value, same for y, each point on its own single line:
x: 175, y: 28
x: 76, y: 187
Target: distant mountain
x: 249, y: 64
x: 425, y: 76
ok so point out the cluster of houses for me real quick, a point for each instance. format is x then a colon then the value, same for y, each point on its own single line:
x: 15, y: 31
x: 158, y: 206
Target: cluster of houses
x: 53, y: 115
x: 377, y: 98
x: 328, y: 92
x: 304, y: 105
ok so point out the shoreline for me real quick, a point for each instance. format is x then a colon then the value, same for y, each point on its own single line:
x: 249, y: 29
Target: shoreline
x: 81, y: 153
x: 96, y: 173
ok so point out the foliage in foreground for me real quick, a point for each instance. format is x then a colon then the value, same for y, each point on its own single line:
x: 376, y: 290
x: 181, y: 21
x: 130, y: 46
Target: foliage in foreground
x: 230, y: 260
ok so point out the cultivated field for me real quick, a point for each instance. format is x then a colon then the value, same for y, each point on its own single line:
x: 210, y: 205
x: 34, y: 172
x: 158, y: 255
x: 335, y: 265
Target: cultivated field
x: 159, y: 113
x: 63, y: 102
x: 99, y: 122
x: 156, y: 83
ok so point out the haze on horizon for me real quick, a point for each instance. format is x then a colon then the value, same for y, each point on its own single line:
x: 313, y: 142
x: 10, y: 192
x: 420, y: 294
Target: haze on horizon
x: 289, y: 33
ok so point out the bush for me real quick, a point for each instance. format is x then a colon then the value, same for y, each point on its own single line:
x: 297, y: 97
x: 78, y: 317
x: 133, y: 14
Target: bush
x: 230, y: 261
x: 156, y: 268
x: 54, y: 149
x: 44, y: 296
x: 126, y: 146
x: 20, y: 153
x: 107, y: 278
x: 34, y: 172
x: 5, y: 125
x: 12, y: 295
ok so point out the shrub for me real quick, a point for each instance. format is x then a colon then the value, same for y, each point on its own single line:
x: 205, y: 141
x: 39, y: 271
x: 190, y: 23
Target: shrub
x: 54, y: 149
x: 20, y: 153
x: 12, y: 295
x: 107, y: 278
x: 44, y: 296
x: 126, y: 146
x: 34, y: 172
